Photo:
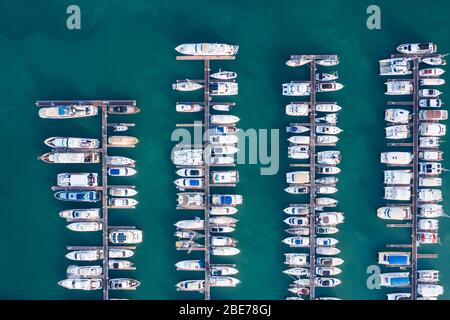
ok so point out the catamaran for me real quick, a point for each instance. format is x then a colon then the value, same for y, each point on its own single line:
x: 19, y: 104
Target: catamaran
x: 223, y: 88
x: 296, y: 89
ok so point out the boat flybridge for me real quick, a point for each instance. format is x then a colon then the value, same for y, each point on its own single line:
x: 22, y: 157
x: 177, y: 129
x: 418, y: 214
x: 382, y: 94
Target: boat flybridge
x: 207, y: 49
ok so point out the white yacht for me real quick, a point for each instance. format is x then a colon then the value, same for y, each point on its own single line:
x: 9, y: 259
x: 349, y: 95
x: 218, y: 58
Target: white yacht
x: 400, y: 116
x: 297, y: 109
x: 81, y: 284
x: 190, y: 265
x: 398, y: 177
x: 430, y: 168
x: 326, y: 190
x: 396, y: 158
x: 123, y: 284
x: 429, y: 142
x: 71, y: 157
x: 191, y: 285
x: 430, y: 290
x: 296, y: 259
x: 222, y: 241
x: 428, y: 224
x: 327, y: 251
x: 431, y: 72
x: 122, y: 192
x: 328, y: 107
x: 296, y: 89
x: 226, y: 150
x: 326, y: 140
x: 84, y: 271
x: 298, y: 152
x: 297, y: 221
x: 192, y: 107
x: 225, y: 220
x: 223, y: 119
x: 296, y: 242
x: 196, y: 224
x: 224, y: 251
x: 298, y: 61
x: 329, y: 261
x: 394, y: 213
x: 426, y: 237
x: 299, y: 271
x: 224, y: 75
x: 122, y: 202
x: 427, y: 129
x: 398, y: 132
x: 430, y: 182
x: 430, y: 195
x: 80, y: 214
x: 434, y: 61
x: 417, y: 48
x: 329, y: 218
x: 327, y: 76
x: 207, y: 49
x: 328, y: 170
x: 433, y: 115
x: 398, y: 296
x: 226, y: 199
x: 397, y: 193
x: 328, y: 129
x: 186, y: 85
x: 223, y: 88
x: 85, y: 226
x: 115, y: 264
x: 429, y: 93
x: 224, y: 177
x: 72, y: 143
x: 68, y: 111
x: 223, y: 210
x: 326, y: 282
x: 329, y: 157
x: 430, y: 103
x: 430, y: 210
x: 121, y: 171
x: 297, y: 210
x: 223, y: 281
x: 298, y: 177
x: 330, y: 118
x: 326, y: 202
x: 297, y: 129
x: 395, y: 66
x: 431, y: 82
x: 299, y: 140
x: 328, y: 86
x: 77, y: 179
x: 327, y: 180
x: 119, y: 161
x: 125, y: 236
x: 223, y: 139
x: 428, y: 276
x: 328, y: 62
x: 326, y: 241
x: 189, y: 183
x: 394, y: 279
x: 431, y: 155
x: 217, y: 270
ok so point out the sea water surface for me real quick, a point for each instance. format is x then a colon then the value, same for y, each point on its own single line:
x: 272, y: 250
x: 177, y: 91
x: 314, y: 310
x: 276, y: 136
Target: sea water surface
x: 125, y: 50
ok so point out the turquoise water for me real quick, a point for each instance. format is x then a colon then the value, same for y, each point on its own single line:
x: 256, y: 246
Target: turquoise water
x: 125, y: 51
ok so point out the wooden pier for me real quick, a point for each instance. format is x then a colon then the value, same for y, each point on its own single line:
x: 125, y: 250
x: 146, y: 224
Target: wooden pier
x: 206, y: 103
x: 105, y: 225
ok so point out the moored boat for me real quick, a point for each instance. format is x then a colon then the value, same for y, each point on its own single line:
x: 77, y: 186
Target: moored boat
x: 68, y: 112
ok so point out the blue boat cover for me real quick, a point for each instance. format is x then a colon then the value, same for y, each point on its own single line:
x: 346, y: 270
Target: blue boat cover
x: 398, y: 260
x: 403, y: 281
x: 61, y: 110
x: 225, y: 200
x: 114, y: 171
x: 194, y: 183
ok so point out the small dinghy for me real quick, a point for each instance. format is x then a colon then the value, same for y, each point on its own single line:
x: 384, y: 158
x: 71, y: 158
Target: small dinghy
x: 120, y: 128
